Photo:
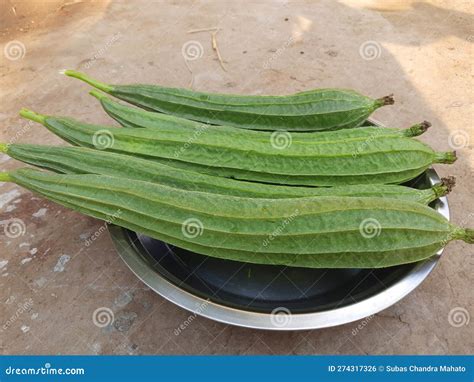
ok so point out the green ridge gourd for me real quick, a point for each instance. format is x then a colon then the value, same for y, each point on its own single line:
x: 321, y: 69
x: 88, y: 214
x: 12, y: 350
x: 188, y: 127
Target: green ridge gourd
x: 138, y: 118
x: 381, y: 159
x: 315, y: 110
x: 80, y: 160
x: 311, y: 232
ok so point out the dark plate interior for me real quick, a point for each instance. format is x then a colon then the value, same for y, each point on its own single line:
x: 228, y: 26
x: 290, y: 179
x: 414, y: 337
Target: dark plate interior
x: 263, y: 288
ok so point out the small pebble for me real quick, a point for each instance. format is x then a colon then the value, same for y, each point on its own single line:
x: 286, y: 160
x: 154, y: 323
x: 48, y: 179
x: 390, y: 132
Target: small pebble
x: 3, y: 263
x: 123, y: 299
x: 124, y: 321
x: 4, y: 158
x: 40, y: 213
x: 7, y: 197
x: 63, y: 259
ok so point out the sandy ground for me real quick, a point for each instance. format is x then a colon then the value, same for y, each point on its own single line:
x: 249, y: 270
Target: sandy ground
x: 51, y: 283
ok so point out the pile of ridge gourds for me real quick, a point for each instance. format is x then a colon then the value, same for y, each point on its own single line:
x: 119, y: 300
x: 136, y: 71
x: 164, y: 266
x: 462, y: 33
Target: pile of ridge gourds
x: 294, y: 180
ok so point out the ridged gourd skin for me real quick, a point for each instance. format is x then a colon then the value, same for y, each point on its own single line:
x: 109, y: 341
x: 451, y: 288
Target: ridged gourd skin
x: 326, y: 260
x: 132, y: 117
x: 80, y: 160
x: 315, y: 110
x: 380, y: 160
x: 312, y: 232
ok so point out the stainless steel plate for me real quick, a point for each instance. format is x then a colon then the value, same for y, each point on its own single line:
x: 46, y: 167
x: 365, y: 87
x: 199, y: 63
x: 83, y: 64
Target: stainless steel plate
x: 271, y: 297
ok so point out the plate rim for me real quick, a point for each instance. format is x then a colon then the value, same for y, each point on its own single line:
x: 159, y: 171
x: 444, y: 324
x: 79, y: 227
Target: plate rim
x: 271, y: 321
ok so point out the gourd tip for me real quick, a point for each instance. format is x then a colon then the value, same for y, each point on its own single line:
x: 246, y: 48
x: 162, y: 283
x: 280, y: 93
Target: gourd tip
x: 71, y: 73
x: 100, y: 96
x: 448, y: 182
x: 387, y: 100
x: 88, y: 80
x: 442, y: 188
x: 425, y: 125
x: 468, y: 236
x: 3, y: 148
x: 5, y: 177
x: 447, y: 157
x: 451, y: 156
x: 29, y: 114
x: 418, y: 129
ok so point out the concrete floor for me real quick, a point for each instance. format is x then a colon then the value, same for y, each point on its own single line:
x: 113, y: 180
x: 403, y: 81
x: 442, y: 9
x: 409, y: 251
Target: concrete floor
x: 51, y: 283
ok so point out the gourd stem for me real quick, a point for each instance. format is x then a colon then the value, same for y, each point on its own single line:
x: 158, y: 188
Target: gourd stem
x: 417, y: 129
x: 384, y: 101
x: 464, y: 234
x: 100, y: 96
x: 3, y: 147
x: 447, y: 157
x: 29, y: 114
x: 469, y: 236
x: 83, y: 77
x: 5, y: 177
x: 444, y: 187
